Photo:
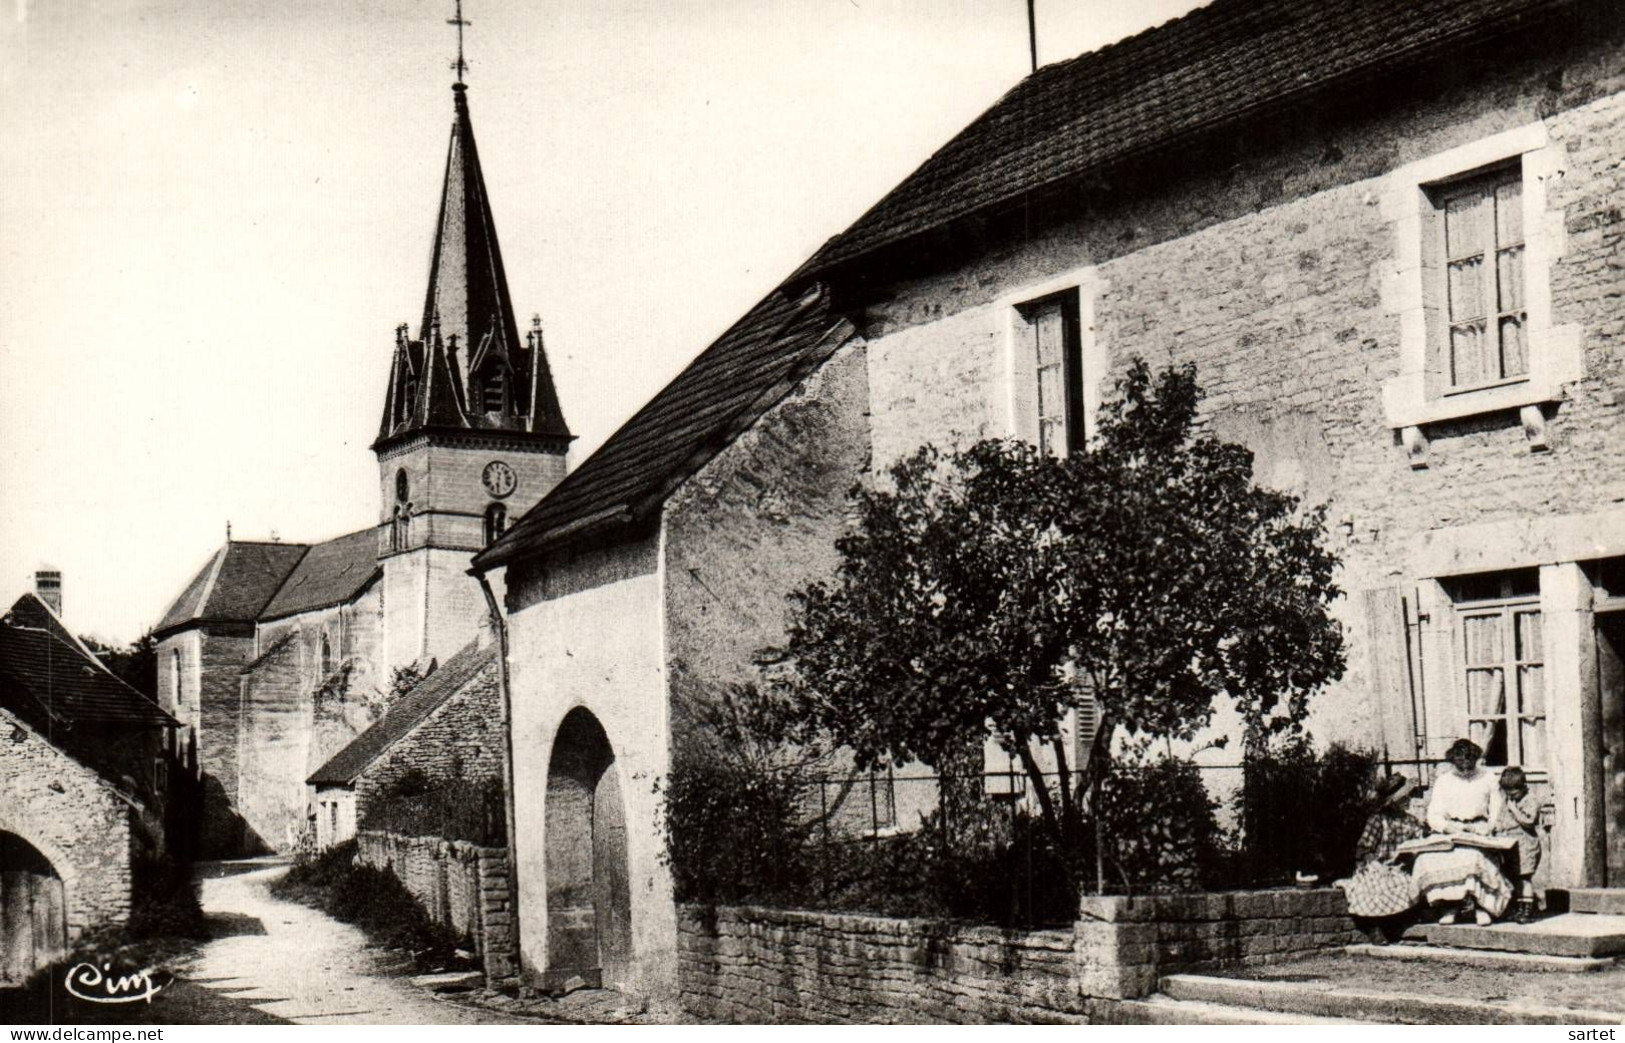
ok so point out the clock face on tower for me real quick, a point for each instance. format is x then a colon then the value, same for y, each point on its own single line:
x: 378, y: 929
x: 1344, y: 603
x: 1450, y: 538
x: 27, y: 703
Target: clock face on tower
x: 499, y: 479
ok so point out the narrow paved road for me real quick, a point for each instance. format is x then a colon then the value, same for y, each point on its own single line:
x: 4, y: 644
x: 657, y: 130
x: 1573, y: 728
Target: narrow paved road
x: 277, y: 961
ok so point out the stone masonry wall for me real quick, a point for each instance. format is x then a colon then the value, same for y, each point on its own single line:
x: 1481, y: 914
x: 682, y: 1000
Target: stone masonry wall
x: 757, y: 521
x: 73, y: 818
x: 222, y: 656
x: 461, y: 886
x: 1273, y: 272
x: 754, y: 965
x: 462, y: 738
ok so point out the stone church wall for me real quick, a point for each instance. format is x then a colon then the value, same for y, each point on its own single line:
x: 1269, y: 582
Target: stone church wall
x: 221, y: 657
x: 294, y: 717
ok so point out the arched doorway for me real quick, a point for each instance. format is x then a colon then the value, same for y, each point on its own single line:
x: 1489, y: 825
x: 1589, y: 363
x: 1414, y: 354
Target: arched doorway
x: 589, y: 914
x: 33, y: 911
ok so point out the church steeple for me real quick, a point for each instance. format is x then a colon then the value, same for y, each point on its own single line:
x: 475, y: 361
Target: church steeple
x: 468, y: 368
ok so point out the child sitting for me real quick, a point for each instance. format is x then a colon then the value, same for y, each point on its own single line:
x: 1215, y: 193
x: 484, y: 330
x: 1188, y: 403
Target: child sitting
x: 1518, y: 817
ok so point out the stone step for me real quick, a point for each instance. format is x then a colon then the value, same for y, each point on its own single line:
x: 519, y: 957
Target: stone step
x: 1316, y: 1000
x: 1571, y: 934
x: 1609, y: 901
x: 1489, y: 959
x: 1161, y: 1010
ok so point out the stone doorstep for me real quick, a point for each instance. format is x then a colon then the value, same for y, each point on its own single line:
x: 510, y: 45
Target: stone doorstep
x: 1161, y: 1010
x: 1489, y: 959
x: 1314, y: 998
x: 1568, y: 934
x: 1609, y: 901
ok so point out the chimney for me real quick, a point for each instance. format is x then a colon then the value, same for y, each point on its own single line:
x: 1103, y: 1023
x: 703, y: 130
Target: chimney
x: 48, y: 585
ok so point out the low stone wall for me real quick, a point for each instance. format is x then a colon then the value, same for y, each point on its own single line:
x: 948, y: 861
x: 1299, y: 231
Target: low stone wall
x: 755, y: 965
x: 1124, y: 945
x: 461, y: 885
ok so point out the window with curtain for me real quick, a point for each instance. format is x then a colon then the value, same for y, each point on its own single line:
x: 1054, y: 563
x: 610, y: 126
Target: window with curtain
x: 1480, y: 220
x: 1503, y: 671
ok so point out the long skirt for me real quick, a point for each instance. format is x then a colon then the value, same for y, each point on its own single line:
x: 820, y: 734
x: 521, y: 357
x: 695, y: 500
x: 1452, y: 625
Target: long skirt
x: 1379, y: 889
x: 1445, y: 877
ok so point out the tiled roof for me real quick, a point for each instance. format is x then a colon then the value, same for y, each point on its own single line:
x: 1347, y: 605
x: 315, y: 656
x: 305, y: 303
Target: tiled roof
x: 1219, y: 63
x: 50, y: 679
x: 235, y: 585
x: 329, y: 574
x: 727, y: 388
x: 406, y: 713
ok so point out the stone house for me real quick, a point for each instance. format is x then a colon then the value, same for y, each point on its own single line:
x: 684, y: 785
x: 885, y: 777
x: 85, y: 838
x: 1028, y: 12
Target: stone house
x: 445, y: 732
x: 278, y: 655
x: 1389, y: 237
x: 89, y: 767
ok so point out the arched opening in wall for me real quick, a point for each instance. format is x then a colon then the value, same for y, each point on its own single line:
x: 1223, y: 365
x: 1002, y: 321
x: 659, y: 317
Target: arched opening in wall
x: 327, y: 657
x: 496, y: 521
x: 589, y: 910
x: 33, y: 911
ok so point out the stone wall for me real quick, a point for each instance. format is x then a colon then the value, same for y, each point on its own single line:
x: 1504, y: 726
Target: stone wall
x: 585, y: 630
x: 76, y: 820
x: 221, y: 655
x: 460, y: 885
x: 461, y: 739
x: 757, y: 521
x: 1276, y: 264
x: 292, y: 717
x: 754, y: 965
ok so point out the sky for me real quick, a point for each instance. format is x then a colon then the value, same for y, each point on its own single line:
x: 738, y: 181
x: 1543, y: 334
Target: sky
x: 213, y: 214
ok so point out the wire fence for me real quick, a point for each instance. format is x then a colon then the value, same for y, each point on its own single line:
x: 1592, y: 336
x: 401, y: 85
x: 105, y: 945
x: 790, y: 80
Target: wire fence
x: 987, y: 846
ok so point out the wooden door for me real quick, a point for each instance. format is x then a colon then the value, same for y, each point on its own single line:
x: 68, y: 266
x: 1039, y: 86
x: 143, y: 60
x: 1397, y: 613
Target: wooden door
x: 1611, y: 691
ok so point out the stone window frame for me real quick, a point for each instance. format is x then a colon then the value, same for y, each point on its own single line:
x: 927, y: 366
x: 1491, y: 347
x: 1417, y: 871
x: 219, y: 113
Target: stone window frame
x: 1094, y: 360
x: 1413, y: 289
x: 1089, y: 286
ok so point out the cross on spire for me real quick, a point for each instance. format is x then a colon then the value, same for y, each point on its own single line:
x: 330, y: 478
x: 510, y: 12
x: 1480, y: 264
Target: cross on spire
x: 460, y: 65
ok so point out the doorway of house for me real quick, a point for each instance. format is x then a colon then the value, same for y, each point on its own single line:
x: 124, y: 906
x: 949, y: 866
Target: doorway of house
x: 1611, y: 690
x: 589, y: 917
x: 33, y: 911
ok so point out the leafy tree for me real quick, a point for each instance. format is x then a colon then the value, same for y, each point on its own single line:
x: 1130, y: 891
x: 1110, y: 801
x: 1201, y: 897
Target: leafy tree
x: 136, y: 664
x: 982, y: 591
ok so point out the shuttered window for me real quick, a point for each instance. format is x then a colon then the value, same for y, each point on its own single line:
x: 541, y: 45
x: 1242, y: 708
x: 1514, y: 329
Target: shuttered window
x: 1048, y: 372
x: 1485, y: 336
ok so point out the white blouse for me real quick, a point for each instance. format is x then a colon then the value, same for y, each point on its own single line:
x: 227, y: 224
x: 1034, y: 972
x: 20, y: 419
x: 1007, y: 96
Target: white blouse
x: 1457, y: 800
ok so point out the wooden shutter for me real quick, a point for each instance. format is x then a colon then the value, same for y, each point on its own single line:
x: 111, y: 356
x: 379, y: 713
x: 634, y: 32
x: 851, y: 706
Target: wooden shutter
x: 1024, y: 379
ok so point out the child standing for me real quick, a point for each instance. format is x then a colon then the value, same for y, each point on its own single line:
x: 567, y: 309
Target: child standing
x: 1517, y: 819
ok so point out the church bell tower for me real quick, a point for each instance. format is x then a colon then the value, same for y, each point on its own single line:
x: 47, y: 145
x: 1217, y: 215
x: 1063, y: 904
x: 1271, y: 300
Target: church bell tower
x: 472, y: 435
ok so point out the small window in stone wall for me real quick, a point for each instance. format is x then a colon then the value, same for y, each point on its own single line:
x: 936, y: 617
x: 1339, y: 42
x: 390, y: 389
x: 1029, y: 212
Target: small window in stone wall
x: 1480, y: 337
x: 1049, y: 373
x: 327, y: 656
x: 496, y: 522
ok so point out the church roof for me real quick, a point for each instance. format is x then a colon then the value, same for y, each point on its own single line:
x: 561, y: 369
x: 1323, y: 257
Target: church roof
x: 406, y: 713
x: 50, y: 679
x: 715, y: 398
x: 468, y: 338
x: 1230, y: 60
x: 235, y: 585
x: 330, y: 573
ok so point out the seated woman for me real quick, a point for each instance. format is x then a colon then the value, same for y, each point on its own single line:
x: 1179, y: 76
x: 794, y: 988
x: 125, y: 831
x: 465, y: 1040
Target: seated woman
x: 1380, y: 889
x: 1463, y: 881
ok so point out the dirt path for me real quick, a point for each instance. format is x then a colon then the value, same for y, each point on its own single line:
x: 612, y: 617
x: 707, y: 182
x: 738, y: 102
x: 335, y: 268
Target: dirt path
x: 276, y: 961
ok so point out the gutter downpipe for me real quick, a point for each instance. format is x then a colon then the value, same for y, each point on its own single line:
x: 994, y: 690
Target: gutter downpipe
x: 500, y: 627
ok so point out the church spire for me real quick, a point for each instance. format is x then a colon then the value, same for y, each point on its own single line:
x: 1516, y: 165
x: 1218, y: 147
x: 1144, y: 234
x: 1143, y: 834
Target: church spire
x: 468, y: 367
